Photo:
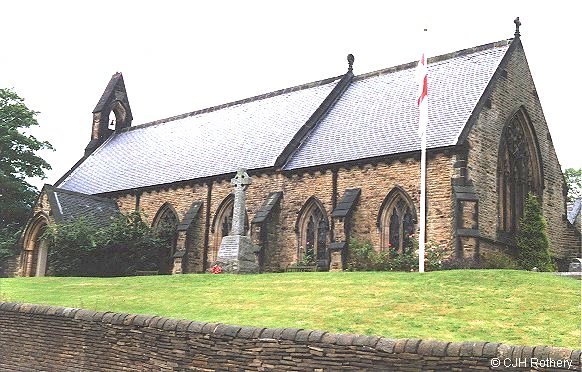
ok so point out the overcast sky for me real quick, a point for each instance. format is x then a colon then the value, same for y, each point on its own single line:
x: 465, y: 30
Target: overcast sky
x: 179, y: 56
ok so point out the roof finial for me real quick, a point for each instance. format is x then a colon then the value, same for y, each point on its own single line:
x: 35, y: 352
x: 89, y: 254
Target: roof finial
x: 517, y: 24
x: 350, y: 62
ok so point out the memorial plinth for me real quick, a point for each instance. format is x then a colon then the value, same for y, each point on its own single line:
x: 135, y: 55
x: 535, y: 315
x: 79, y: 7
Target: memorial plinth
x: 237, y: 254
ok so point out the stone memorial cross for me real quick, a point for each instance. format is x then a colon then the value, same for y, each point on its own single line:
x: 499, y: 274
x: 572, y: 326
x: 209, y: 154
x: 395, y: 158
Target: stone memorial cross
x: 240, y: 182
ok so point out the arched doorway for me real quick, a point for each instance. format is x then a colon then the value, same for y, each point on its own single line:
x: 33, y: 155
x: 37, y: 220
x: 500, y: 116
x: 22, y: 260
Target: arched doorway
x: 35, y: 254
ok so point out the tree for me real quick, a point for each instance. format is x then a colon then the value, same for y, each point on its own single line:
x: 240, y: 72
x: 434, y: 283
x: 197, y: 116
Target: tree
x: 18, y: 159
x: 532, y: 240
x: 573, y: 179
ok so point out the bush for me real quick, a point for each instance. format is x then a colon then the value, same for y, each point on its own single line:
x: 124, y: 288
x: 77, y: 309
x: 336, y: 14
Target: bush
x: 497, y: 260
x: 9, y: 236
x: 363, y: 257
x: 71, y: 250
x: 360, y: 256
x: 532, y: 240
x: 460, y: 263
x: 127, y: 245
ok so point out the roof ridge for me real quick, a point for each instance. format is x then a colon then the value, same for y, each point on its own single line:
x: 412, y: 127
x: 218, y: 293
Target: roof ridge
x: 435, y: 59
x: 234, y: 103
x: 316, y: 83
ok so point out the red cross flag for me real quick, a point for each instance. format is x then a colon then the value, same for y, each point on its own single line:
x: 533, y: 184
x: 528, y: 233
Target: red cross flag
x: 422, y: 96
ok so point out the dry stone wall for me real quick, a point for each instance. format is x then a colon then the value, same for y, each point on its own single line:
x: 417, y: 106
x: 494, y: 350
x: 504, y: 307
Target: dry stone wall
x: 48, y: 338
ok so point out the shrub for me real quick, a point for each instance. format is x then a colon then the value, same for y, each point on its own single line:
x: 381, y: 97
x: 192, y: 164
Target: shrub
x: 360, y: 256
x: 129, y: 244
x: 363, y: 257
x: 460, y: 263
x: 9, y: 236
x: 532, y: 240
x: 71, y: 249
x: 434, y: 256
x: 79, y: 249
x: 497, y: 260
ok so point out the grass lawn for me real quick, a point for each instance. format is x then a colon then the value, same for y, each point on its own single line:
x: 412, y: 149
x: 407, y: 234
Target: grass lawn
x: 514, y: 307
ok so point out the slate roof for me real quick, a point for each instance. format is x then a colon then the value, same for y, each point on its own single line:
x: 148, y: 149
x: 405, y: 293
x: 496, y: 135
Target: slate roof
x: 250, y: 135
x: 68, y: 206
x: 375, y: 116
x: 378, y: 115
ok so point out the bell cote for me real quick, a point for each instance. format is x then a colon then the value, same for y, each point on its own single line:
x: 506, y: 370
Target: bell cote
x: 112, y: 113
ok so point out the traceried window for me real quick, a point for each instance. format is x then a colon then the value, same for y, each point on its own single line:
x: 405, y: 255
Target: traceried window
x: 397, y: 222
x: 166, y: 223
x: 518, y: 170
x: 313, y: 230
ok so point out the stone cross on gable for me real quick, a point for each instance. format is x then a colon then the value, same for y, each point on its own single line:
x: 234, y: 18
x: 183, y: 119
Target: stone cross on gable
x: 240, y: 182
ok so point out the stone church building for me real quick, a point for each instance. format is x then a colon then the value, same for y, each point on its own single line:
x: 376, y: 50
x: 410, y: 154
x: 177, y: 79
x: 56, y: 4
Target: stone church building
x: 330, y: 160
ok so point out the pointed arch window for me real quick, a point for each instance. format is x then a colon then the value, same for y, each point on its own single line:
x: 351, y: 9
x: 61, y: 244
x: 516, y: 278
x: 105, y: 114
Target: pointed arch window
x: 518, y: 170
x: 313, y: 230
x: 166, y: 223
x: 397, y: 222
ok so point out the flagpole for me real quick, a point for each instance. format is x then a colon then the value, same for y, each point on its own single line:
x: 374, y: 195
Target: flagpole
x: 422, y: 128
x: 422, y: 203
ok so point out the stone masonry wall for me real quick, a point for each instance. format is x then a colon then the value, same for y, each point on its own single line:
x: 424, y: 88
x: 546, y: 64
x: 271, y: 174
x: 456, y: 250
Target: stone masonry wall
x: 297, y: 189
x: 47, y: 338
x: 378, y: 180
x: 509, y: 93
x: 181, y: 199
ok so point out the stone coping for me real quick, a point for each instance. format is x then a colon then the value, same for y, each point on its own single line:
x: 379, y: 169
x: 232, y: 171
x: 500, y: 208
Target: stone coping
x: 477, y: 349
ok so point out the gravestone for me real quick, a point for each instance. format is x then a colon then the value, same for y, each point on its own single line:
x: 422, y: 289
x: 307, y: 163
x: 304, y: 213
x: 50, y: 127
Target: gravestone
x: 237, y: 254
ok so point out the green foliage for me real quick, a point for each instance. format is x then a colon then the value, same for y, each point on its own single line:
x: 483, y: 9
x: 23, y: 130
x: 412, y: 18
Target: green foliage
x: 363, y: 257
x: 308, y: 259
x: 9, y: 236
x: 532, y: 240
x: 18, y: 159
x: 72, y: 249
x: 573, y: 179
x: 497, y: 260
x: 127, y: 245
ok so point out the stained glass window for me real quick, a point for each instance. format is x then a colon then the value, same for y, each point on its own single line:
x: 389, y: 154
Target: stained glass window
x: 397, y: 223
x: 314, y: 230
x: 518, y: 171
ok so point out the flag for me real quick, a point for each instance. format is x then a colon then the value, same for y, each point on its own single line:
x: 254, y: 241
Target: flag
x: 422, y: 95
